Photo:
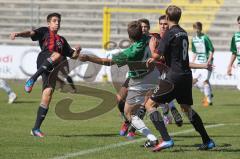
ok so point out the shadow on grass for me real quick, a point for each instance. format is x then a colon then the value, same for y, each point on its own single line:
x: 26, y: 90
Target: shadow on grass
x: 219, y: 148
x: 24, y: 101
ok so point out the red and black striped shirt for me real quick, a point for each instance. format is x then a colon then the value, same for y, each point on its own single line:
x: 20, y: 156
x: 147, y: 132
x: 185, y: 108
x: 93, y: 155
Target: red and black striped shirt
x: 51, y: 42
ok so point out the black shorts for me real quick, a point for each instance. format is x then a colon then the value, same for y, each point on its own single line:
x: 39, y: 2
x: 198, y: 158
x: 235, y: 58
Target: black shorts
x: 125, y: 84
x: 48, y: 78
x: 181, y: 90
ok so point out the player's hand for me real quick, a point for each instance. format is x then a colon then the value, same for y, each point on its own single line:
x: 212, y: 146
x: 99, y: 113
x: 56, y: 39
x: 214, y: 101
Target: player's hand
x: 76, y: 53
x: 150, y: 63
x: 153, y: 44
x: 209, y: 66
x: 229, y: 71
x: 78, y: 48
x: 83, y: 58
x: 13, y: 36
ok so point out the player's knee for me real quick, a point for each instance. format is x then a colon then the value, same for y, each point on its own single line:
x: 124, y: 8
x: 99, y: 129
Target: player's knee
x: 150, y: 104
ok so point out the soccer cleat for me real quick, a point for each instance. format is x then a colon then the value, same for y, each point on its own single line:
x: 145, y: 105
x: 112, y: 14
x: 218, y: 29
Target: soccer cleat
x: 177, y: 117
x: 37, y: 133
x: 150, y: 143
x: 124, y: 129
x: 131, y: 135
x: 29, y: 85
x: 207, y: 146
x: 163, y: 145
x: 12, y: 97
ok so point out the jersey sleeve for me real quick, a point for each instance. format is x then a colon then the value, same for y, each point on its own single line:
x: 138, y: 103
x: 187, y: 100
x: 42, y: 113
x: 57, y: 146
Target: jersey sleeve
x: 67, y: 50
x: 233, y: 48
x: 209, y: 44
x: 193, y: 47
x: 130, y: 54
x: 39, y: 33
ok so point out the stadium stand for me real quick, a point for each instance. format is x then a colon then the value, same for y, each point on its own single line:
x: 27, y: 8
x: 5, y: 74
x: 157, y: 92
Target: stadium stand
x: 82, y: 21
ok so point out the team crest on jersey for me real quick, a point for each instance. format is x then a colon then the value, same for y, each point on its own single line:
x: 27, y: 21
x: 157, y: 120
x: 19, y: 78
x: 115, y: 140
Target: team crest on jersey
x: 59, y: 44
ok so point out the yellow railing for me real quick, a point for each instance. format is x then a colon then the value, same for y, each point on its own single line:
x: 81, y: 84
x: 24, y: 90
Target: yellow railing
x: 202, y: 10
x: 107, y: 19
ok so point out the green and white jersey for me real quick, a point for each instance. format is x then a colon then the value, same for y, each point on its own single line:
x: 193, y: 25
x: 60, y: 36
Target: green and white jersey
x: 135, y: 57
x: 235, y: 45
x: 202, y: 46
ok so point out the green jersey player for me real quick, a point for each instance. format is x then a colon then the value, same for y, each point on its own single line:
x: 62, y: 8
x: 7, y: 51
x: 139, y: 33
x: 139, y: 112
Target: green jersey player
x: 203, y: 50
x: 235, y: 49
x: 141, y: 78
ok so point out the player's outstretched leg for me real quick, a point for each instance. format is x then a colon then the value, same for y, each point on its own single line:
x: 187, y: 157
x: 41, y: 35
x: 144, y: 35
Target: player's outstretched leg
x: 139, y: 125
x: 197, y: 123
x: 132, y: 131
x: 46, y: 66
x: 158, y: 122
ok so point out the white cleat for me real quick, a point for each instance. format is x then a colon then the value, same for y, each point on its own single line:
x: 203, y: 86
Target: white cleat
x: 12, y: 97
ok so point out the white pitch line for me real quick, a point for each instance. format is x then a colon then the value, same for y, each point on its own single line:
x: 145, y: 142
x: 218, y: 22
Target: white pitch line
x: 93, y: 150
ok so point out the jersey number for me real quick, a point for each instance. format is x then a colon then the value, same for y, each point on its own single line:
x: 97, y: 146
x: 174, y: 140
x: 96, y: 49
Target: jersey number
x: 185, y: 48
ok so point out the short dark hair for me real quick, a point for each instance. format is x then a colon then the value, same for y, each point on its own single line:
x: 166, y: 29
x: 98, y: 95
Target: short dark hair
x: 238, y: 19
x: 135, y: 30
x: 197, y: 25
x: 145, y: 21
x: 162, y: 17
x: 49, y: 17
x: 174, y: 13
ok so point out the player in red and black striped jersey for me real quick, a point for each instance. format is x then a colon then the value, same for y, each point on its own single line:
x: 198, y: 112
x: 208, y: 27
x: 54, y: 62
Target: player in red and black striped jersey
x: 53, y: 48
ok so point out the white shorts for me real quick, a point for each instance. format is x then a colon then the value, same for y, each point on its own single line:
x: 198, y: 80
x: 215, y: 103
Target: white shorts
x: 138, y: 88
x: 237, y: 72
x: 201, y: 74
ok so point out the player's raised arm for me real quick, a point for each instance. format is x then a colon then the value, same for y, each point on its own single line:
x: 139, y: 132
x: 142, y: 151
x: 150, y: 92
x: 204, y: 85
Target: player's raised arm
x: 24, y: 34
x: 153, y: 48
x: 97, y: 60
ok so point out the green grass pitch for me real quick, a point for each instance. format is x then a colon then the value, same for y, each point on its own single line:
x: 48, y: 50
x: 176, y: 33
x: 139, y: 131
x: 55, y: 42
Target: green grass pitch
x: 98, y: 137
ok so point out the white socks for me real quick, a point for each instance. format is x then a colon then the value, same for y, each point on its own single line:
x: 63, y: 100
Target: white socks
x: 139, y: 125
x: 5, y: 86
x: 207, y: 92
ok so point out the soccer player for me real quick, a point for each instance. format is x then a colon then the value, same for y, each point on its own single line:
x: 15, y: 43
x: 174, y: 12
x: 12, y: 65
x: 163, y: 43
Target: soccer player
x: 11, y: 95
x: 122, y: 94
x: 178, y: 82
x: 53, y: 48
x: 50, y: 41
x: 235, y: 49
x: 203, y: 50
x: 142, y: 79
x: 141, y: 111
